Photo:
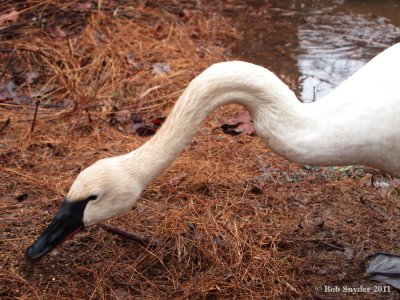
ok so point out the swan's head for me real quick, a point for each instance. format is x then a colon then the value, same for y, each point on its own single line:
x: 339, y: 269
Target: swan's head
x: 100, y: 192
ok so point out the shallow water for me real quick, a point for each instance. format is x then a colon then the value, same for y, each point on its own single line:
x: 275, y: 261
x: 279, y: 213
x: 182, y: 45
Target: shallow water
x: 317, y: 43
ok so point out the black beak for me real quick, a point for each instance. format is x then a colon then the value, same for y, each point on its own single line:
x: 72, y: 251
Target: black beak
x: 67, y: 222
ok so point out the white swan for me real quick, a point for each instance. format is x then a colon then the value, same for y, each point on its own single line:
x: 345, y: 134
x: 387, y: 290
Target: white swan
x: 357, y: 123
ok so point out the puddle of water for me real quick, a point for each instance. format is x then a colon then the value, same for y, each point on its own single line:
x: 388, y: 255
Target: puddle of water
x: 317, y: 44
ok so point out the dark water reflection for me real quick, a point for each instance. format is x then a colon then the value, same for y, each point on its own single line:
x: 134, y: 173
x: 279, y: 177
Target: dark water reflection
x: 317, y: 44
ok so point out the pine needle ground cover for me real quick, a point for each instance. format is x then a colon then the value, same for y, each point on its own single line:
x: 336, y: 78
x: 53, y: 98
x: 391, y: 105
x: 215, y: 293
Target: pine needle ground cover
x: 82, y: 81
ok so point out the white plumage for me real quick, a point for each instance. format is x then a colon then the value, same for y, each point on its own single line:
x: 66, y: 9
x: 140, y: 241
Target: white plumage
x: 357, y: 123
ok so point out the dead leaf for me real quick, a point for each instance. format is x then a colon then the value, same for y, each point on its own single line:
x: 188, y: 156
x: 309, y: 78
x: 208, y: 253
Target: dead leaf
x: 194, y: 233
x: 142, y: 125
x: 100, y: 36
x: 348, y: 253
x: 21, y: 100
x: 395, y: 183
x: 177, y: 180
x: 123, y: 116
x: 87, y: 6
x: 219, y: 240
x: 21, y: 197
x: 5, y: 92
x: 12, y: 16
x: 148, y: 127
x: 380, y: 182
x: 161, y: 69
x: 121, y: 293
x: 57, y: 33
x: 185, y: 14
x: 133, y: 64
x: 31, y: 77
x: 10, y: 88
x: 241, y: 124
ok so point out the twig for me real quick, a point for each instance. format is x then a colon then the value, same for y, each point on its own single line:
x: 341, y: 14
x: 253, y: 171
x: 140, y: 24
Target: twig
x: 35, y: 51
x: 314, y: 94
x: 324, y: 244
x: 144, y: 241
x: 71, y: 51
x: 7, y: 64
x: 148, y: 91
x: 22, y: 175
x: 5, y: 124
x: 35, y: 114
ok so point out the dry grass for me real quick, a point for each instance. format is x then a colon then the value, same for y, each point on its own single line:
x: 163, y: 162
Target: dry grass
x: 234, y: 220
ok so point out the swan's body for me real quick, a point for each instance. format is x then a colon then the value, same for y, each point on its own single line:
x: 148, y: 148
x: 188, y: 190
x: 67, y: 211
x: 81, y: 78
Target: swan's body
x: 357, y: 123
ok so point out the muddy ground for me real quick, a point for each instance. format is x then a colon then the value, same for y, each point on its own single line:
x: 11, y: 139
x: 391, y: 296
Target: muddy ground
x: 233, y: 220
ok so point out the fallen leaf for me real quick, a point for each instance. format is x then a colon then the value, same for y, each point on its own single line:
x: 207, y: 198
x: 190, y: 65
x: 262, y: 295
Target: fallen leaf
x: 12, y: 16
x: 142, y: 125
x: 348, y: 253
x: 100, y: 36
x: 194, y: 233
x: 159, y: 27
x: 21, y: 197
x: 3, y: 95
x: 57, y: 33
x: 161, y: 69
x: 121, y: 293
x: 5, y: 90
x: 133, y: 64
x: 219, y: 240
x: 177, y: 179
x: 31, y: 77
x: 395, y: 182
x: 9, y: 95
x: 241, y: 124
x: 123, y: 116
x: 10, y: 88
x: 148, y: 127
x: 185, y: 14
x: 380, y: 182
x: 84, y: 6
x: 256, y: 190
x: 21, y: 100
x: 158, y: 121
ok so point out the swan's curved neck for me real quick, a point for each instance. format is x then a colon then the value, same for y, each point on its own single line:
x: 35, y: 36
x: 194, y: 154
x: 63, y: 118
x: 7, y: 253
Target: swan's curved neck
x: 268, y: 100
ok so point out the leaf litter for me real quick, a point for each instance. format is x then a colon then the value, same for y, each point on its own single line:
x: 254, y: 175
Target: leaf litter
x: 142, y: 125
x: 241, y: 124
x: 233, y: 219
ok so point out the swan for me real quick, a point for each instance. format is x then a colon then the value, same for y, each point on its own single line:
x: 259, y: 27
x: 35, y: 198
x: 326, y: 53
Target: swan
x: 357, y: 123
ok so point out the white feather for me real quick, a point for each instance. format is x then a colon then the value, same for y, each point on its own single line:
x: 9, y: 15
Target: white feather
x: 357, y: 123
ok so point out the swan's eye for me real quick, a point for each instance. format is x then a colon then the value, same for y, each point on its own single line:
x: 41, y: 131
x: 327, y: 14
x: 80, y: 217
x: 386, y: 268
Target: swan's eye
x: 93, y: 197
